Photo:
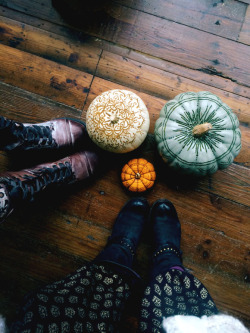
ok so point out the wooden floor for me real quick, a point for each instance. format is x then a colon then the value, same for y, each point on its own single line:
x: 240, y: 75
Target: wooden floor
x: 52, y: 67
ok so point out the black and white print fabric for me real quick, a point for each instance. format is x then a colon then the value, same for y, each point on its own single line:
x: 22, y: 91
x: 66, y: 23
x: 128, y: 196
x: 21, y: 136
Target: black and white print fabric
x: 4, y: 202
x: 173, y: 293
x: 89, y: 300
x: 92, y: 300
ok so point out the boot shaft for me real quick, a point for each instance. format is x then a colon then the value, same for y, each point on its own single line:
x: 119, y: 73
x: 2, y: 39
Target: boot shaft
x: 17, y: 186
x: 27, y: 183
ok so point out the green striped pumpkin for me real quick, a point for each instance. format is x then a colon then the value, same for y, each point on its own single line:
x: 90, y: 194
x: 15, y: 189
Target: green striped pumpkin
x: 197, y: 133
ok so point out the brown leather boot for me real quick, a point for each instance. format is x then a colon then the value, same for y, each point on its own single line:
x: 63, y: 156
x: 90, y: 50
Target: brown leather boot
x: 26, y: 184
x: 57, y: 133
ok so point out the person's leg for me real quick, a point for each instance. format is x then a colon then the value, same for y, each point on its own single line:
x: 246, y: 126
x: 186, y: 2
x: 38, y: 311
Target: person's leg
x: 53, y: 134
x: 171, y: 290
x: 24, y: 185
x: 92, y: 298
x: 126, y: 233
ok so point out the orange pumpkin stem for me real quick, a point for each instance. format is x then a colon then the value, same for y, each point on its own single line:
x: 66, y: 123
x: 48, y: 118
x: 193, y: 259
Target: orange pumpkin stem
x: 137, y: 175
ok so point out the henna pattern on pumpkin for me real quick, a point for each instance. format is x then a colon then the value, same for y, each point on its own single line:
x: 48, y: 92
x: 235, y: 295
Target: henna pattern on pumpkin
x: 117, y: 119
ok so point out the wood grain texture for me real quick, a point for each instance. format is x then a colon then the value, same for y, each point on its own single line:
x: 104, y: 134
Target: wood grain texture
x: 73, y: 49
x: 133, y: 45
x: 165, y: 85
x: 217, y: 17
x: 244, y: 36
x: 202, y: 76
x: 44, y: 77
x: 23, y: 106
x: 62, y: 49
x: 156, y: 36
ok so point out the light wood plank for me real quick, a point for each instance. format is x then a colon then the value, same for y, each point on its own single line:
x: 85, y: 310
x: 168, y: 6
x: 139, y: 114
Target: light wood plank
x: 62, y: 49
x: 83, y: 51
x: 157, y: 37
x: 44, y: 77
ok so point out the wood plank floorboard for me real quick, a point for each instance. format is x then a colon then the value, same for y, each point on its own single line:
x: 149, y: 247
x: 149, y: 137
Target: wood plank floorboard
x: 158, y: 37
x: 41, y: 76
x: 61, y: 44
x: 52, y: 68
x: 219, y: 18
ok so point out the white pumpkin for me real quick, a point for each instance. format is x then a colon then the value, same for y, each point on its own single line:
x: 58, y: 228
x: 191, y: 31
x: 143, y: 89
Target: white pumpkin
x: 117, y: 121
x: 197, y: 133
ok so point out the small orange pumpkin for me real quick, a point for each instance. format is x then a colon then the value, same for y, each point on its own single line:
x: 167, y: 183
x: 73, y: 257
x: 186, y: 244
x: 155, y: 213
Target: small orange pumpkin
x: 138, y: 175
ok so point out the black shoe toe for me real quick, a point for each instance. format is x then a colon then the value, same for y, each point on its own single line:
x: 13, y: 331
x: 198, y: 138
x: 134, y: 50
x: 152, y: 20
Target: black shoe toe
x: 166, y: 224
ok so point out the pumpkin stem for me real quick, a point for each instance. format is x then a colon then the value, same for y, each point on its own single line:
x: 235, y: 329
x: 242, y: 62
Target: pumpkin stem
x: 137, y: 175
x: 114, y: 119
x: 201, y: 129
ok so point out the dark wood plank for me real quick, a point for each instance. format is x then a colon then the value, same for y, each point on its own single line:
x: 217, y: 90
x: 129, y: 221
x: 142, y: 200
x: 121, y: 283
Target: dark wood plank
x: 244, y: 36
x: 217, y: 17
x: 84, y: 51
x: 61, y: 49
x: 156, y: 36
x: 44, y: 77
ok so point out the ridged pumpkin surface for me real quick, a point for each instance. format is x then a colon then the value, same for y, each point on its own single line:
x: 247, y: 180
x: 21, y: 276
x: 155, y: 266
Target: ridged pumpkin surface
x: 138, y: 175
x: 197, y: 133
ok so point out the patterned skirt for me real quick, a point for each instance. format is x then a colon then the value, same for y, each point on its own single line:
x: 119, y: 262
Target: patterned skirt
x: 92, y: 299
x: 173, y: 293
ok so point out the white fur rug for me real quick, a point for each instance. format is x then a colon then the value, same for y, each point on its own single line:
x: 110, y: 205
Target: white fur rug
x: 215, y: 324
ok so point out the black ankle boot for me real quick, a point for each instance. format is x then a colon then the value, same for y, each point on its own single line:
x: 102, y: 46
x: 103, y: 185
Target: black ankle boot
x: 122, y: 244
x: 25, y: 185
x: 167, y: 237
x: 53, y: 134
